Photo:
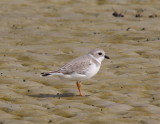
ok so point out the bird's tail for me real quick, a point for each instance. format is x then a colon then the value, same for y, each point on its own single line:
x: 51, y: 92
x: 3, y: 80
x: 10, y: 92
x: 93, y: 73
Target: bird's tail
x: 51, y: 73
x: 45, y: 74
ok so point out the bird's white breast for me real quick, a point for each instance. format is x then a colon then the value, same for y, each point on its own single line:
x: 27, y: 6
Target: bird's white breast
x: 92, y: 70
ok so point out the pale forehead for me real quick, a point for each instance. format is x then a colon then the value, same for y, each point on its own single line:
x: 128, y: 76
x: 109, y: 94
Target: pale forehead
x: 97, y: 50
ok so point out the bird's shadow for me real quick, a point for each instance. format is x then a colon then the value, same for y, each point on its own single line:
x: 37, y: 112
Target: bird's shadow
x: 58, y: 95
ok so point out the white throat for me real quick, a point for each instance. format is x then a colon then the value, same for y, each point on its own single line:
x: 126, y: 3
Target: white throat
x: 99, y: 60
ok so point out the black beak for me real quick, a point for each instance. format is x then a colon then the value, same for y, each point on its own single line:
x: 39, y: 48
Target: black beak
x: 106, y: 57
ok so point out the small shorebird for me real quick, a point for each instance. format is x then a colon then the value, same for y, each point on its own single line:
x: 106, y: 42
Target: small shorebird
x: 81, y: 68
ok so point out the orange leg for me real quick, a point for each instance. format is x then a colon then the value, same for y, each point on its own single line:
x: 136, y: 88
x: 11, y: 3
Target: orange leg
x: 79, y: 88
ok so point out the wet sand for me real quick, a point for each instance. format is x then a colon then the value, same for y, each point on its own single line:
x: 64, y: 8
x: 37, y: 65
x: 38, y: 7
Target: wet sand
x: 38, y: 36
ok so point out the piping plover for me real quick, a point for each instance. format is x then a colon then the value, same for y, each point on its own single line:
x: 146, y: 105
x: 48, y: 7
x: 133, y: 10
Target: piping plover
x: 80, y: 68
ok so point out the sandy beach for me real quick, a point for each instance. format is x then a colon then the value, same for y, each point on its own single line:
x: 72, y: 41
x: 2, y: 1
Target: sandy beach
x: 42, y: 35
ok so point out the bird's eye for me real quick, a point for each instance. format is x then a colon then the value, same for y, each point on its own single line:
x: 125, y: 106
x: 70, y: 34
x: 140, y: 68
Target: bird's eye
x: 99, y: 53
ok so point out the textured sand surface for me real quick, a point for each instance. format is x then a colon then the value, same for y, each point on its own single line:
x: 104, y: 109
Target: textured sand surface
x: 42, y: 35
